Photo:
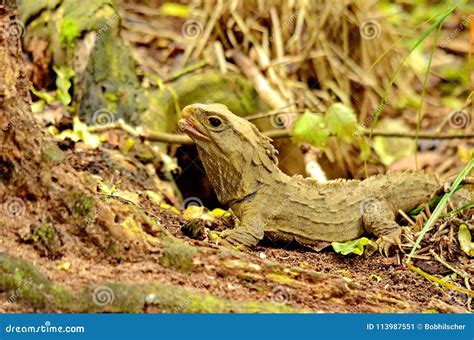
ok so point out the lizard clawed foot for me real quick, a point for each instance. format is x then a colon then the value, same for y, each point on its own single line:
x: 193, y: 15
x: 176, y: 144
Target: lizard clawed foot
x: 239, y: 237
x: 385, y: 242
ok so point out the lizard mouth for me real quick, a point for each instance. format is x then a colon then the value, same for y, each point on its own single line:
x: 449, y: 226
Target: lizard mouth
x: 191, y: 129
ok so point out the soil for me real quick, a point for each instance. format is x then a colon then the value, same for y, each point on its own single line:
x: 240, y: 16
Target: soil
x: 375, y: 275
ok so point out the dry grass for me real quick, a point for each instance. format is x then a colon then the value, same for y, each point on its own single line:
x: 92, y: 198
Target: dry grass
x: 311, y: 53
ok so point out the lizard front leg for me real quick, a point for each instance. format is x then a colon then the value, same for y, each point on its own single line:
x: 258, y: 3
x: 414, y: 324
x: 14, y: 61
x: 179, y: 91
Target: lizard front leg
x: 378, y: 219
x: 249, y: 230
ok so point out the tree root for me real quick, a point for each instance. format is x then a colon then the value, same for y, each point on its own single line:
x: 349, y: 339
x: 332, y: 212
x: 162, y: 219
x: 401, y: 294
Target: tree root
x: 24, y: 283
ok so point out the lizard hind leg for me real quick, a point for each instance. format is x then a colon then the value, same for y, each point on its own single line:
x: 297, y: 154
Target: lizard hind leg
x: 378, y: 219
x: 248, y: 232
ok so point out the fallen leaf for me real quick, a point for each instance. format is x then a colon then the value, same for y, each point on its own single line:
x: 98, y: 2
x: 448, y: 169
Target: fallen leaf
x: 465, y: 240
x: 353, y: 246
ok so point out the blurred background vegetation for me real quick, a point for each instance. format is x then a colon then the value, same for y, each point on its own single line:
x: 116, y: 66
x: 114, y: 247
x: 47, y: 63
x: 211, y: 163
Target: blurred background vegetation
x: 316, y: 68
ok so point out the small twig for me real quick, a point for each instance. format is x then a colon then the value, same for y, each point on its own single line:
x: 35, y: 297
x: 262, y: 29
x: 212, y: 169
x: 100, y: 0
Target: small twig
x: 421, y: 257
x: 441, y: 230
x: 469, y: 298
x: 172, y: 138
x: 447, y: 265
x: 459, y: 272
x: 412, y: 242
x: 270, y: 95
x: 186, y: 70
x: 406, y: 217
x: 439, y: 281
x: 422, y: 250
x: 427, y: 210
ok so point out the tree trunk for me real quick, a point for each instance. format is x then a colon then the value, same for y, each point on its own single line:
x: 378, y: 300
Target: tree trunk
x: 20, y: 138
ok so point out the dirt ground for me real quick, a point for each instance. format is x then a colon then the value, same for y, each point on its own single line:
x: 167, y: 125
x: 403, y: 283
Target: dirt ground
x: 376, y: 275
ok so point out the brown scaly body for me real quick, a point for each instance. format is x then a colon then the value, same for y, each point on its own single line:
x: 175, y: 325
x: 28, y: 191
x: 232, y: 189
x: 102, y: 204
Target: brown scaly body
x: 242, y: 166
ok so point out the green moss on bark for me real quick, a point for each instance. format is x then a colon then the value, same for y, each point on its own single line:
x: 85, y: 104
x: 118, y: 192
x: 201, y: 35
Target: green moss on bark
x: 25, y: 284
x: 178, y: 255
x: 83, y: 207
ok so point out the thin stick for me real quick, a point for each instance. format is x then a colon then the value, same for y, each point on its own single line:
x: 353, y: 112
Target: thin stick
x: 172, y: 138
x: 406, y: 217
x: 263, y: 88
x: 469, y: 298
x: 447, y: 265
x: 439, y: 281
x: 366, y: 132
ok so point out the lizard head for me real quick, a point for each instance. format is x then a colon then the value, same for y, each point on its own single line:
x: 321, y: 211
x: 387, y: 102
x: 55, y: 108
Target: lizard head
x: 231, y: 148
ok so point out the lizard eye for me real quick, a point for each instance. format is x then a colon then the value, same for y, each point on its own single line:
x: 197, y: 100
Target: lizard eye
x: 214, y: 121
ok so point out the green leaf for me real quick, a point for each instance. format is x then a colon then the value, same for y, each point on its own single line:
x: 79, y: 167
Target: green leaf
x: 69, y: 31
x: 48, y: 98
x: 174, y: 10
x: 310, y: 128
x: 106, y: 188
x: 128, y: 145
x: 64, y: 266
x: 80, y: 132
x: 342, y: 121
x: 218, y: 212
x: 353, y: 246
x: 38, y: 106
x: 63, y: 83
x: 465, y: 240
x: 169, y: 207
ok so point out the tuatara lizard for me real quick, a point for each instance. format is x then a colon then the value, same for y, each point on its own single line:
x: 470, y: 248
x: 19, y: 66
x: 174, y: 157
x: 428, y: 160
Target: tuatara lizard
x: 241, y: 164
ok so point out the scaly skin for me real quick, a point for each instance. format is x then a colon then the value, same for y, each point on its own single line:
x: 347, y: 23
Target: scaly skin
x: 242, y: 166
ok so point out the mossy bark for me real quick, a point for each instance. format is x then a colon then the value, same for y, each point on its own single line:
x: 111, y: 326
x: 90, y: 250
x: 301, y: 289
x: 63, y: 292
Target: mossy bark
x: 24, y: 283
x: 232, y: 90
x: 86, y: 38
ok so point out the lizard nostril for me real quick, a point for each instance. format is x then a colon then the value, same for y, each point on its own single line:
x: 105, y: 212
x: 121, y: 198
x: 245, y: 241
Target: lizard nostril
x: 187, y: 111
